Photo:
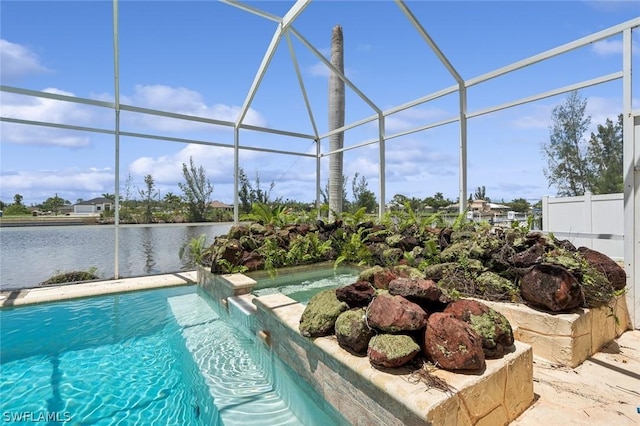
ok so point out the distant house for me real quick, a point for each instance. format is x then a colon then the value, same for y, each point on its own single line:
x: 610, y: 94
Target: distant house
x: 218, y: 205
x: 498, y: 208
x: 67, y: 209
x: 479, y: 206
x: 93, y: 207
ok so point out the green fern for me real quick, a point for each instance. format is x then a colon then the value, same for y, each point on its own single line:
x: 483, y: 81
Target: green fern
x: 192, y: 252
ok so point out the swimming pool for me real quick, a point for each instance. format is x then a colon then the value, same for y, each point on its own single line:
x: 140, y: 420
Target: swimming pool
x: 303, y: 285
x: 154, y: 357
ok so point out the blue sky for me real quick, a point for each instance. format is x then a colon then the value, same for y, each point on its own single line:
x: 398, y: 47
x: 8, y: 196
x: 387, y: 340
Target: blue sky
x: 200, y: 58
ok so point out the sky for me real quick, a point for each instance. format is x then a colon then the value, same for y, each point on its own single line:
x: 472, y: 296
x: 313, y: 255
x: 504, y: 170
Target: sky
x: 200, y: 58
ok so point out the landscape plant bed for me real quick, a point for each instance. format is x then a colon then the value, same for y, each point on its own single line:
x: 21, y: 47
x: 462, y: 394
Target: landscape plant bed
x: 413, y: 394
x: 416, y: 393
x: 409, y: 260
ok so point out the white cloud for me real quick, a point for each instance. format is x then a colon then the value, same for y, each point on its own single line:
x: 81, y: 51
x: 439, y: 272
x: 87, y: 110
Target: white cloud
x: 165, y: 98
x: 17, y: 61
x: 612, y: 47
x: 69, y: 183
x: 181, y: 100
x: 599, y: 108
x: 607, y: 47
x: 45, y: 110
x: 217, y: 162
x: 412, y: 118
x: 320, y: 69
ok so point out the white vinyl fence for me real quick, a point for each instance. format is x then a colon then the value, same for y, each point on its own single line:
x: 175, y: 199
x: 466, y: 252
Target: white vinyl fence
x: 594, y: 221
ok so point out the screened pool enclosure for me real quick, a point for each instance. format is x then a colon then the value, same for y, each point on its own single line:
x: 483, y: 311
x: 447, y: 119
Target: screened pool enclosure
x: 243, y: 133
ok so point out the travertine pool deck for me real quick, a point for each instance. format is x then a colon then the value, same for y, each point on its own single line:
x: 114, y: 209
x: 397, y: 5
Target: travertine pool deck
x: 603, y: 390
x: 95, y: 288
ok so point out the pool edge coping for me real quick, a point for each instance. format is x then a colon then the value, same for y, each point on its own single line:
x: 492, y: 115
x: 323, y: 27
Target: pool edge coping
x: 30, y: 296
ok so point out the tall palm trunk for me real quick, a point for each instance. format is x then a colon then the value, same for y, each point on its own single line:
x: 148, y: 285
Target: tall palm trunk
x: 336, y: 120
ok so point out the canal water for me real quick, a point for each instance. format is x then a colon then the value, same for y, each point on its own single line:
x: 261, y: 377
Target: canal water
x: 32, y: 254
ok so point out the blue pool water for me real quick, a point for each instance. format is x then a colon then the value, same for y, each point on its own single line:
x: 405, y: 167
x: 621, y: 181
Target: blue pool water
x: 156, y: 357
x: 302, y: 286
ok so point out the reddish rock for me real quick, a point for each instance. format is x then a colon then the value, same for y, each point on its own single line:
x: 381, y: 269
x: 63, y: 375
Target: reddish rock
x: 491, y: 325
x: 452, y: 344
x: 378, y: 234
x: 419, y: 288
x: 381, y: 279
x: 252, y: 260
x: 232, y: 251
x: 444, y: 238
x: 530, y: 256
x: 603, y: 263
x: 303, y: 229
x: 356, y: 295
x: 551, y: 287
x: 392, y: 350
x: 567, y: 245
x: 395, y: 313
x: 352, y: 330
x: 407, y: 243
x: 238, y: 231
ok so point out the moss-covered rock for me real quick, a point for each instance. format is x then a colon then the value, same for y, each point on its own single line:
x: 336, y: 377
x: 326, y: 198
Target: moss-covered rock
x: 491, y: 325
x: 319, y: 317
x: 69, y: 277
x: 453, y: 344
x: 408, y: 271
x: 392, y: 350
x: 352, y: 330
x: 465, y: 249
x: 238, y: 231
x: 490, y: 283
x: 440, y: 270
x: 369, y: 273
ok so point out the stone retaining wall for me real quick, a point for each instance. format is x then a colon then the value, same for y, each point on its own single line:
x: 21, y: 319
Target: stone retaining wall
x: 365, y: 395
x: 566, y: 339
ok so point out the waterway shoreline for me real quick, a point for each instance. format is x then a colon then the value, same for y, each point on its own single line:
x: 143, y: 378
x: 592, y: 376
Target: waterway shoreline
x: 48, y: 222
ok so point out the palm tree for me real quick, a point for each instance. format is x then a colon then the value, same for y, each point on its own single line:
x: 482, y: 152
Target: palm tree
x: 336, y: 120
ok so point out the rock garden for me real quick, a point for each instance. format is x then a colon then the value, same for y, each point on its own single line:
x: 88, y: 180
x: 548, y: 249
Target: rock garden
x: 412, y: 298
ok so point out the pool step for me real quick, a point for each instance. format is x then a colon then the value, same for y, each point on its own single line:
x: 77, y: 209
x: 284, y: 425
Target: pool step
x: 240, y: 387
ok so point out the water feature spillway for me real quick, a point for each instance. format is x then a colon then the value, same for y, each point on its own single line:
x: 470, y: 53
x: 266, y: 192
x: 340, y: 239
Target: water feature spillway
x: 248, y: 384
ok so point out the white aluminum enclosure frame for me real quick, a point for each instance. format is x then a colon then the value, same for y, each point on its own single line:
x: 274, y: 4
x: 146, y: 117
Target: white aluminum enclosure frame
x: 285, y: 29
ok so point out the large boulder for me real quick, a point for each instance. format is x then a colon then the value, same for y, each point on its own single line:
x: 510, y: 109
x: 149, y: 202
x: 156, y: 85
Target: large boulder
x: 531, y: 256
x: 392, y: 350
x: 383, y: 277
x: 417, y: 288
x: 491, y: 325
x: 551, y: 287
x: 453, y: 344
x: 493, y: 285
x: 352, y: 330
x: 238, y: 231
x: 380, y: 277
x: 607, y: 266
x: 395, y: 313
x: 402, y: 242
x: 230, y: 251
x: 319, y: 317
x: 357, y: 294
x: 252, y: 260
